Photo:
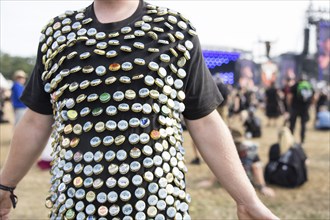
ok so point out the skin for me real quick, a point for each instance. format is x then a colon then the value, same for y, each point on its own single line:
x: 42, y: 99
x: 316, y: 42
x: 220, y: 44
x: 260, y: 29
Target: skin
x: 114, y: 10
x: 30, y: 136
x: 258, y: 178
x: 21, y: 80
x: 210, y: 134
x: 214, y: 142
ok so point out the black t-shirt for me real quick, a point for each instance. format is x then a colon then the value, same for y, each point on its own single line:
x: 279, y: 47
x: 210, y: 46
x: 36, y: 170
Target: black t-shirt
x: 201, y: 96
x: 116, y: 92
x: 224, y: 92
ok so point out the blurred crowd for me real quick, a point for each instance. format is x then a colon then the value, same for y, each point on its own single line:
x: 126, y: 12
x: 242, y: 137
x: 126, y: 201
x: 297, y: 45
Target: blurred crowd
x: 281, y: 105
x: 295, y: 98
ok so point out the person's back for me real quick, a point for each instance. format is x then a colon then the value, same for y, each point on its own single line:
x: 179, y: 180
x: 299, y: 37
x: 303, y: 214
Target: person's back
x: 286, y: 166
x: 274, y: 105
x: 271, y: 94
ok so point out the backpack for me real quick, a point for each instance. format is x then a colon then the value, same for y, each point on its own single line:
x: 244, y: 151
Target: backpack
x: 304, y: 91
x: 286, y: 170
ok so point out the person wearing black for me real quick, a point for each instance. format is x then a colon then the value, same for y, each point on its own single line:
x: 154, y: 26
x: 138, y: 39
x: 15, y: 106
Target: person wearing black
x: 289, y: 82
x: 112, y: 79
x: 322, y: 109
x: 241, y: 102
x: 323, y: 99
x: 273, y: 104
x: 299, y: 100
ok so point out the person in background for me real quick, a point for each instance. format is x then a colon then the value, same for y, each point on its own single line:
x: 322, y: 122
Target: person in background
x: 248, y: 153
x: 274, y: 106
x: 288, y: 83
x: 322, y: 98
x: 240, y: 102
x: 287, y: 165
x: 299, y: 100
x: 252, y: 123
x: 16, y: 92
x: 323, y: 118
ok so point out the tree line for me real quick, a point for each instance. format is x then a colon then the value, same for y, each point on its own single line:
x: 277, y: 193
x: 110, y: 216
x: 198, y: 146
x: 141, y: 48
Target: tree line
x: 9, y: 64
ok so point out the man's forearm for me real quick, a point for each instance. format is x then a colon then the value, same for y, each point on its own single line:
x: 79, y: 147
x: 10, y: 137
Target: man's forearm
x: 215, y: 144
x: 29, y: 139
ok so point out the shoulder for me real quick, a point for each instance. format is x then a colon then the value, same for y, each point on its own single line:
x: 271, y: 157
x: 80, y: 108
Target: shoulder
x: 173, y: 20
x: 59, y: 21
x: 60, y: 25
x: 55, y: 34
x: 175, y: 29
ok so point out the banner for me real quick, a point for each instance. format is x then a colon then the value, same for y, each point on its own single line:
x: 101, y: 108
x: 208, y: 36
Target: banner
x: 248, y: 74
x: 323, y: 46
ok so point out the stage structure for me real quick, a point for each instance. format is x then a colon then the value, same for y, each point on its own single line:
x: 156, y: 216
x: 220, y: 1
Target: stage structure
x: 222, y: 64
x: 320, y: 18
x: 315, y: 66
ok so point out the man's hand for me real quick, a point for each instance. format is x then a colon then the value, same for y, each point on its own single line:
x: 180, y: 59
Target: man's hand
x: 30, y: 137
x: 254, y: 212
x: 5, y: 205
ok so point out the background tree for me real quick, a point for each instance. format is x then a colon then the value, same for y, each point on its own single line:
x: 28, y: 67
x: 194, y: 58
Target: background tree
x: 9, y: 64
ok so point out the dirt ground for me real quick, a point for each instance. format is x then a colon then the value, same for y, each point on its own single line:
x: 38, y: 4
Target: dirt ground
x: 311, y: 201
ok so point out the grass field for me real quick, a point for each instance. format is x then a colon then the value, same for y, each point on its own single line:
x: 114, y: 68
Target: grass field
x: 311, y: 201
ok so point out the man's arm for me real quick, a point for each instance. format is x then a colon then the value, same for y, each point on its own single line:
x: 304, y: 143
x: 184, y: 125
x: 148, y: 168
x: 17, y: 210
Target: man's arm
x: 216, y: 146
x: 29, y: 139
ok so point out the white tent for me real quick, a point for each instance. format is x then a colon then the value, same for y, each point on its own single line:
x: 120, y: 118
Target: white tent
x: 4, y: 83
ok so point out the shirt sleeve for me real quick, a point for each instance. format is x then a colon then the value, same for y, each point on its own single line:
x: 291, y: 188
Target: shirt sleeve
x: 202, y: 93
x: 34, y: 96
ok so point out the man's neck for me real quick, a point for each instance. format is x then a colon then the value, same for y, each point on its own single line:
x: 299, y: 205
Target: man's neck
x: 108, y: 11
